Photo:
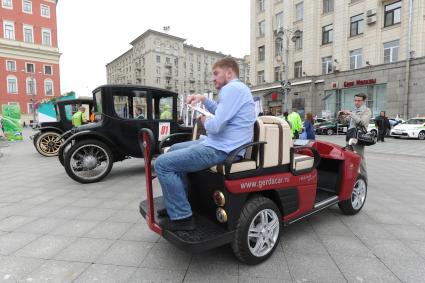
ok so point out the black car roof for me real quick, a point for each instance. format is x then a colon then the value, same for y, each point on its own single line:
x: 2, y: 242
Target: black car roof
x: 138, y: 87
x: 75, y: 100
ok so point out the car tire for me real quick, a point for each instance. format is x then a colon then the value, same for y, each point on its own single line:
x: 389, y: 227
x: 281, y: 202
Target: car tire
x: 421, y: 135
x: 256, y: 214
x: 46, y: 145
x: 357, y: 200
x: 329, y: 132
x: 83, y: 158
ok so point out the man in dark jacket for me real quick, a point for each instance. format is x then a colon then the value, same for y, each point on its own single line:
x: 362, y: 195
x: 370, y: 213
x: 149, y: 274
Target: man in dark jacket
x: 383, y: 125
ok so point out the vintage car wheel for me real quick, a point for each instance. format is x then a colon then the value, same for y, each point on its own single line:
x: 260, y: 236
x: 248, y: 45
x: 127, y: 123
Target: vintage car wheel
x: 330, y: 132
x: 354, y: 204
x: 47, y: 144
x: 258, y: 231
x: 421, y: 136
x: 88, y: 161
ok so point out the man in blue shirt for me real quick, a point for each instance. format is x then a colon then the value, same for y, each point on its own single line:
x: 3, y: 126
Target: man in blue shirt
x: 231, y: 127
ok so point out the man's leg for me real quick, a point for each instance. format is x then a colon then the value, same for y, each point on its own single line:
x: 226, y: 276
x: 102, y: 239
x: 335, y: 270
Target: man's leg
x: 360, y: 150
x: 182, y: 145
x: 171, y: 166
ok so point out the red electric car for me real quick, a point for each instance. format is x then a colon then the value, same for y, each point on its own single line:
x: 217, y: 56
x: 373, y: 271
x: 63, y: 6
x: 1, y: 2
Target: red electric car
x: 248, y: 202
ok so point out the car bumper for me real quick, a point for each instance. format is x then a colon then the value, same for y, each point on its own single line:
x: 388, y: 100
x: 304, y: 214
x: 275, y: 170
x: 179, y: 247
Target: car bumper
x: 404, y: 134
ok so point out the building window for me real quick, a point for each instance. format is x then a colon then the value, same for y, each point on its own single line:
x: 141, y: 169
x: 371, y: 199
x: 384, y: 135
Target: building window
x: 28, y: 34
x: 356, y: 59
x: 327, y: 34
x: 27, y: 6
x: 48, y: 70
x: 31, y: 86
x: 45, y: 11
x: 158, y: 59
x: 30, y: 68
x: 328, y: 6
x: 279, y: 21
x: 278, y: 48
x: 9, y: 30
x: 7, y: 4
x: 299, y: 11
x: 356, y: 25
x: 327, y: 65
x: 260, y: 77
x: 12, y: 84
x: 158, y: 80
x: 48, y: 87
x: 391, y: 51
x: 392, y: 14
x: 29, y: 108
x: 299, y: 41
x: 261, y: 53
x: 261, y: 5
x: 277, y: 74
x: 261, y: 28
x: 298, y: 69
x: 10, y: 66
x: 47, y: 37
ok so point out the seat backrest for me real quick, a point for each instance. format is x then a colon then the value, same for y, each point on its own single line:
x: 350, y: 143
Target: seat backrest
x: 277, y: 133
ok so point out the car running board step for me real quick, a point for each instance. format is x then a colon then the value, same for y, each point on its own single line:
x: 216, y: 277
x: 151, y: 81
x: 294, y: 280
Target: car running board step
x: 326, y: 202
x: 207, y: 235
x: 317, y: 207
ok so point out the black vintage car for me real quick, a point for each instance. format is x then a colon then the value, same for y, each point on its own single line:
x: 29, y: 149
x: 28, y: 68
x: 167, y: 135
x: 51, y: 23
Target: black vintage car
x: 46, y: 141
x: 121, y: 111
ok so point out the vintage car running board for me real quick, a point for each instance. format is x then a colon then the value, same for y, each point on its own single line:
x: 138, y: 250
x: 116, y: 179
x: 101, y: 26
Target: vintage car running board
x: 317, y: 207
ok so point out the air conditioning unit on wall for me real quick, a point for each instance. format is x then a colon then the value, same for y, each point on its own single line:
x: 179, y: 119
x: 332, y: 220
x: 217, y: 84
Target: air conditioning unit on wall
x: 371, y: 20
x: 370, y: 13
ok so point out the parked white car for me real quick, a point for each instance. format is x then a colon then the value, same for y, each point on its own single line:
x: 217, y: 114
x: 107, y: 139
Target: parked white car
x: 412, y: 128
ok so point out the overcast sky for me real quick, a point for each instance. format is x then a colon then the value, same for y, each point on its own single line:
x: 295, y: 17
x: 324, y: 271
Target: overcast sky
x: 94, y: 32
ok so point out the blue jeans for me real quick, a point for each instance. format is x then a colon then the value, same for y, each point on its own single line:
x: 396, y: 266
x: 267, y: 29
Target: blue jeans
x: 172, y: 168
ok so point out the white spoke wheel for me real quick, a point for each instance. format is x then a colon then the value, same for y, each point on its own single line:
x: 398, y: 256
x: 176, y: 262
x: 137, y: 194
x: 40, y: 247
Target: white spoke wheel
x: 330, y: 132
x: 358, y: 198
x: 48, y: 143
x: 88, y: 161
x: 258, y: 230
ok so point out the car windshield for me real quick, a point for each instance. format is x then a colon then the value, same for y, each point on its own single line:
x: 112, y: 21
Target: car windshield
x: 415, y: 121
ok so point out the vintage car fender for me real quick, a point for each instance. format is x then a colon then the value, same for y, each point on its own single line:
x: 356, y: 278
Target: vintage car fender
x: 50, y: 128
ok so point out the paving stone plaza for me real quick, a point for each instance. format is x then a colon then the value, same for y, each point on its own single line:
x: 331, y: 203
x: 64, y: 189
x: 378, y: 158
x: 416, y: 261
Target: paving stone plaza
x: 57, y: 230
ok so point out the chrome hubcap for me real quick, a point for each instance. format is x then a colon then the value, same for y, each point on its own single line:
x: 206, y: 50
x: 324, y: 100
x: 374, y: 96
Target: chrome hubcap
x: 263, y: 232
x: 359, y: 194
x: 89, y: 161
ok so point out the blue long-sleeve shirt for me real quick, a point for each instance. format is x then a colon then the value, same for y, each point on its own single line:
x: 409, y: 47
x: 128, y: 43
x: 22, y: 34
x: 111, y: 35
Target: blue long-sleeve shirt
x: 233, y: 123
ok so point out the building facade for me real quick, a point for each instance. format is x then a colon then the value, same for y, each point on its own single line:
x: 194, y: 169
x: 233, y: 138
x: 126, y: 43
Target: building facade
x: 29, y: 54
x: 163, y: 60
x: 336, y: 49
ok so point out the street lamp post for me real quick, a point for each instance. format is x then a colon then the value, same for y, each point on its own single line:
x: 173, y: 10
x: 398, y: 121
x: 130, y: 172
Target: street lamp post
x: 280, y: 34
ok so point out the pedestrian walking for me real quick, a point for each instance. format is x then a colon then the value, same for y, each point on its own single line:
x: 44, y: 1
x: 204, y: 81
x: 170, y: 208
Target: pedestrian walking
x: 383, y: 125
x: 309, y: 127
x: 296, y: 123
x: 359, y: 117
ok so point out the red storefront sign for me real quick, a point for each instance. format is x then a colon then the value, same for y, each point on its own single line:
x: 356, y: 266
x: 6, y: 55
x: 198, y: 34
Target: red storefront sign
x: 359, y: 82
x: 274, y: 96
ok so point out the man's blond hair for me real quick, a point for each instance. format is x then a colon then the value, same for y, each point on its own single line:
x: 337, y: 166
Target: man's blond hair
x: 227, y: 62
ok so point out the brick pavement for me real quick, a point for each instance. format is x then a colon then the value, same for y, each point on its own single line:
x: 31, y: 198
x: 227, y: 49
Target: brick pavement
x: 54, y: 229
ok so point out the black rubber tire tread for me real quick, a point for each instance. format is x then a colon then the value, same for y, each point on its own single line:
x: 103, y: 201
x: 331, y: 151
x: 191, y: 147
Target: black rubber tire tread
x: 346, y: 205
x: 37, y: 145
x: 76, y: 146
x: 239, y: 244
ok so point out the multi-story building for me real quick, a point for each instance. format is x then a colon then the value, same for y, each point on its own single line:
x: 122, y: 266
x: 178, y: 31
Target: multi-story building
x: 336, y: 49
x: 29, y: 54
x: 163, y: 60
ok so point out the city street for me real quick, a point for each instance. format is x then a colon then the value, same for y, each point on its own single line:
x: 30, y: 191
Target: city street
x: 55, y: 229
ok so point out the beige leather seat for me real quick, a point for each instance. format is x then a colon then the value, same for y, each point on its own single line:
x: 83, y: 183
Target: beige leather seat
x: 302, y: 162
